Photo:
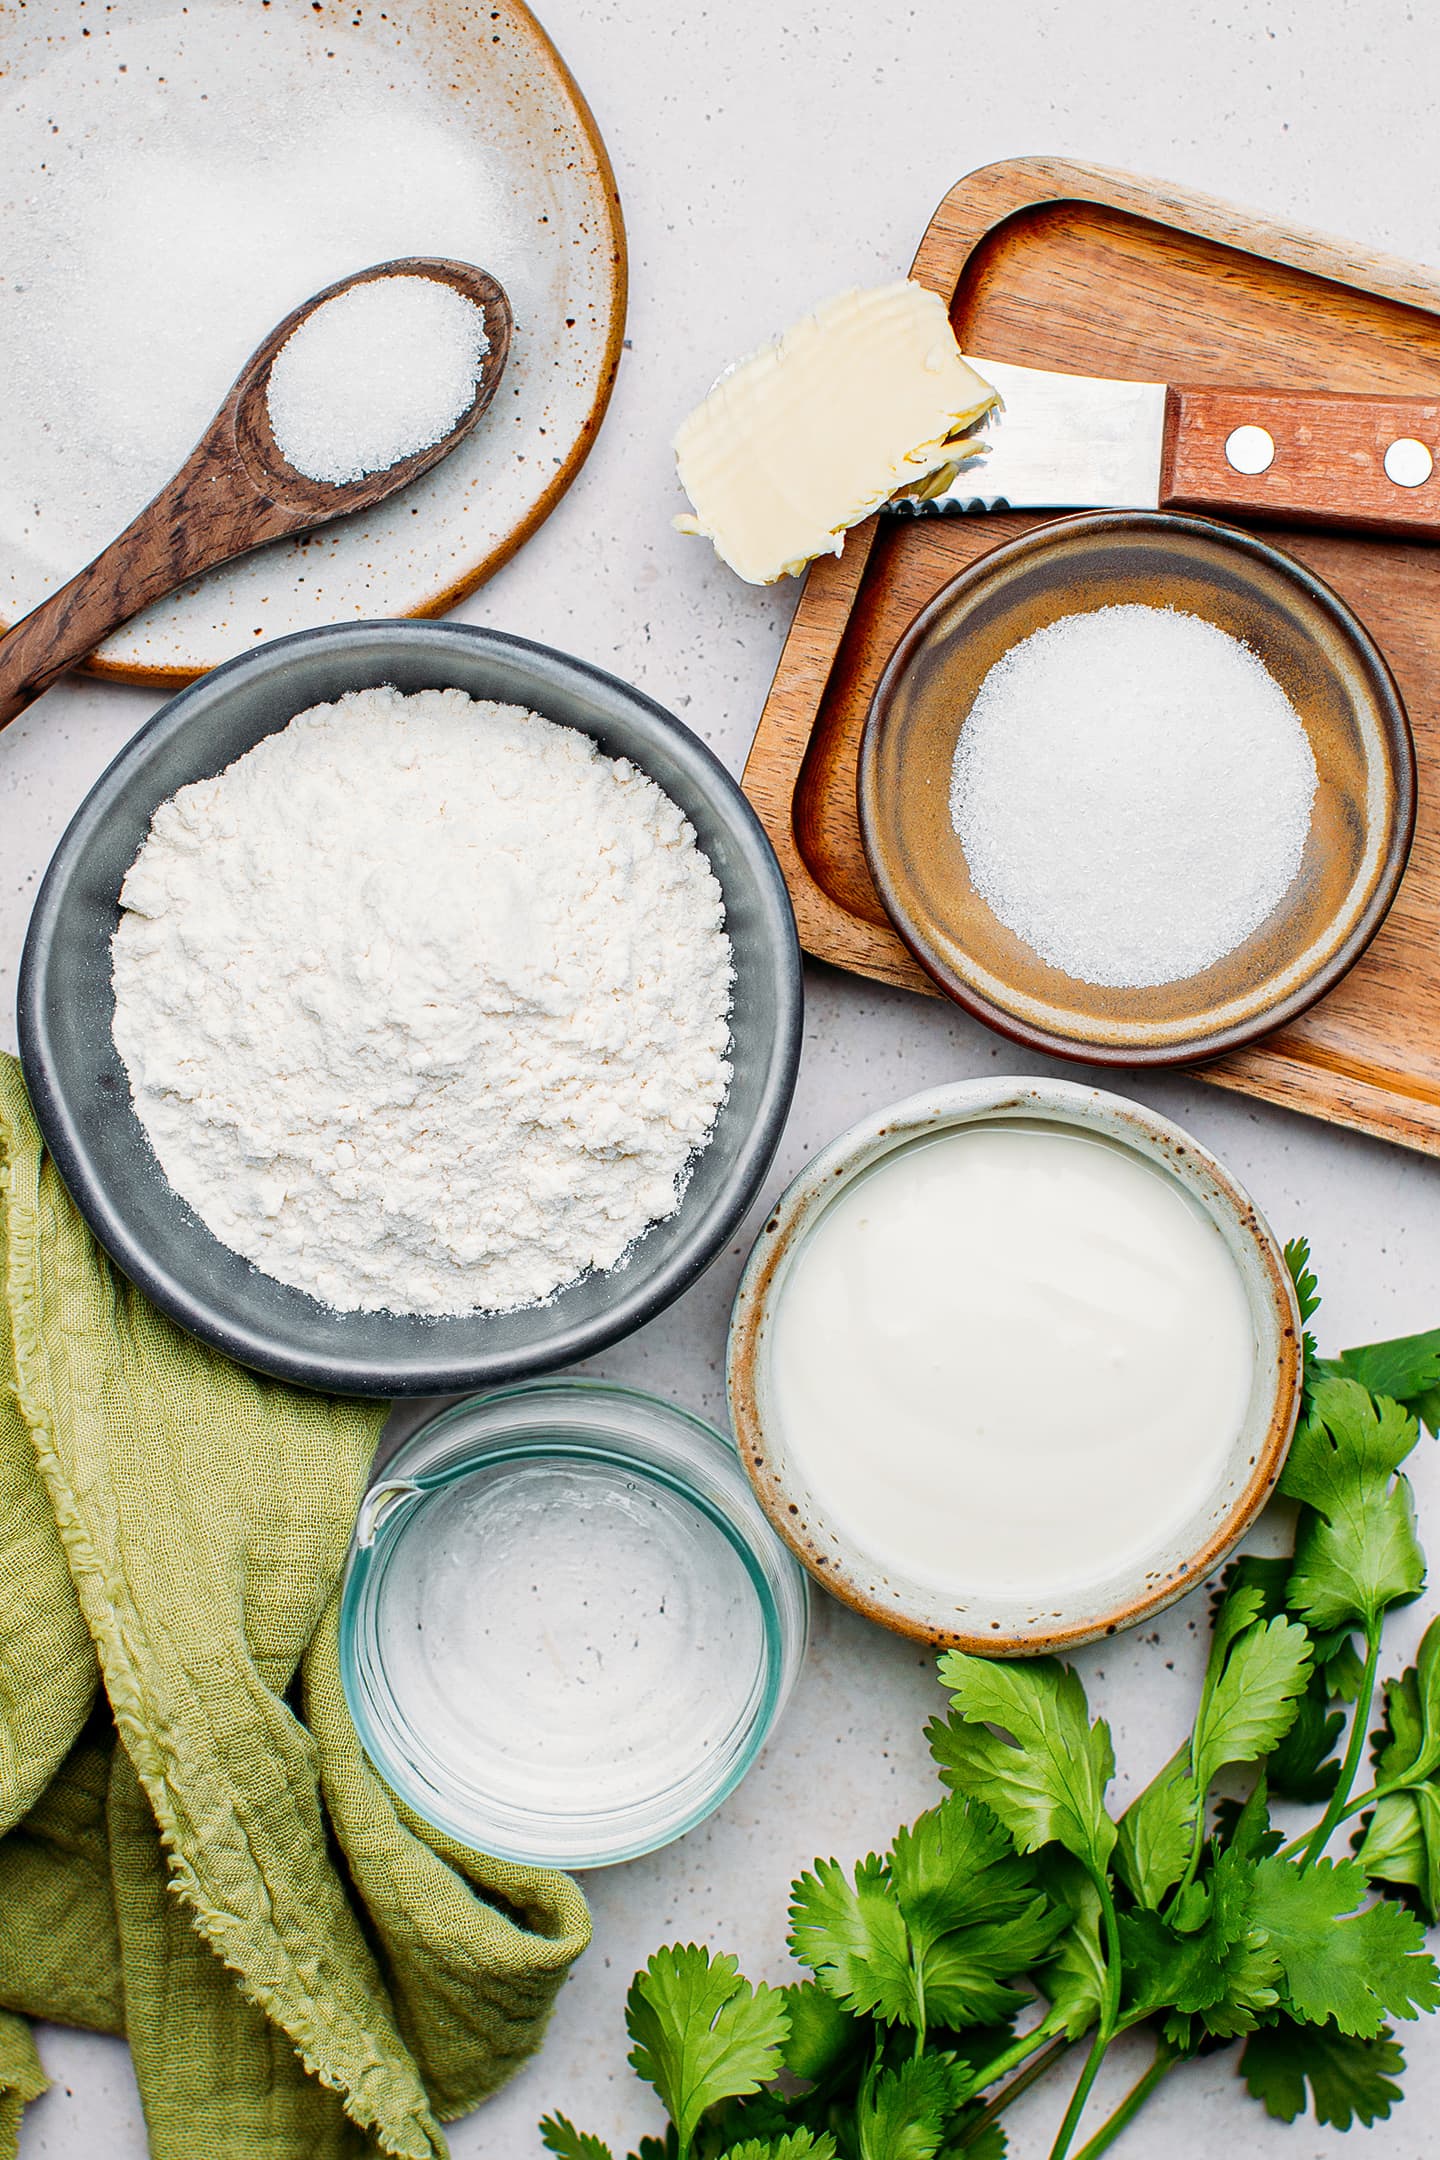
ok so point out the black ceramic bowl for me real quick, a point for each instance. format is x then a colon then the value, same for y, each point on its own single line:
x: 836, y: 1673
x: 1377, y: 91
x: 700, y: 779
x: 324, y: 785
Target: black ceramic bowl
x: 81, y: 1092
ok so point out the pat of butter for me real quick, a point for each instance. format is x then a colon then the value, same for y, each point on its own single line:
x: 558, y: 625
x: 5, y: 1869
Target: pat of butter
x: 802, y: 440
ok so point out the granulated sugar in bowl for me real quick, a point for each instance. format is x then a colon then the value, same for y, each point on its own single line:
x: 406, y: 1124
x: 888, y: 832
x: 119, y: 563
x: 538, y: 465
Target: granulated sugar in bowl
x: 1132, y: 789
x: 1135, y: 787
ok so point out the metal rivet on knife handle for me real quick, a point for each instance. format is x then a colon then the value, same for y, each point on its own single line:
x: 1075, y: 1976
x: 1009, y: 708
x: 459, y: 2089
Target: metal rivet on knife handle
x: 1408, y: 463
x: 1359, y: 463
x: 1250, y: 450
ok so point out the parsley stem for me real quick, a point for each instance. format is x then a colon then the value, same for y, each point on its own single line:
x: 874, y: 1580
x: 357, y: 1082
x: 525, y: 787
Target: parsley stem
x: 1357, y: 1805
x: 1016, y: 2053
x: 1320, y: 1836
x: 1105, y: 2029
x: 1030, y: 2075
x: 1197, y: 1837
x: 1130, y: 2106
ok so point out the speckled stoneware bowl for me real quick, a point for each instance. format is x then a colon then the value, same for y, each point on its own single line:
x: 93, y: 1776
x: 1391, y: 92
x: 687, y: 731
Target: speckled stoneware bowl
x: 1329, y: 668
x: 81, y: 1092
x: 1016, y: 1627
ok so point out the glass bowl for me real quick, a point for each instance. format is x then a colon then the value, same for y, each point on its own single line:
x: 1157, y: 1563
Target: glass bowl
x: 567, y: 1627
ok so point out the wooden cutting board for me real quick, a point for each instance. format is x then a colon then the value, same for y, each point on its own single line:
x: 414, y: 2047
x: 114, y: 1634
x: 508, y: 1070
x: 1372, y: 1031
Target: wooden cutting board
x: 1075, y: 267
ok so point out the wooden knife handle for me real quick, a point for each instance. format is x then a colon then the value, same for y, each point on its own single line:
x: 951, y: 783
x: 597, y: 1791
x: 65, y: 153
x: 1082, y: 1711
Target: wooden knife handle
x: 1328, y: 462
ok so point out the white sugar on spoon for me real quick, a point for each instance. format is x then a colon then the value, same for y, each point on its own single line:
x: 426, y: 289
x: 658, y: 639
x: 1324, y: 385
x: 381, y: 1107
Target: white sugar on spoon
x: 1132, y: 789
x: 372, y: 376
x: 362, y: 425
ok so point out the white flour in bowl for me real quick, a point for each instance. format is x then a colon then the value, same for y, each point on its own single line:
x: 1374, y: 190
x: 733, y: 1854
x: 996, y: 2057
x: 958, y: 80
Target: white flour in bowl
x: 424, y: 1003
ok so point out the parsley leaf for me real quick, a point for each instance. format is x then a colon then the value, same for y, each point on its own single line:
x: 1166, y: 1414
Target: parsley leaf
x: 1257, y: 1673
x: 1402, y: 1845
x: 823, y: 2035
x: 1344, y: 1668
x: 1349, y: 2079
x: 1073, y: 1982
x: 1222, y: 1967
x: 989, y: 2144
x: 1399, y: 1744
x: 1410, y: 1737
x: 795, y: 2145
x: 852, y: 1935
x: 1250, y: 1694
x: 559, y: 2135
x: 1407, y: 1369
x: 1298, y: 1766
x: 973, y: 1910
x: 1048, y: 1781
x: 1301, y: 1766
x: 1307, y: 1294
x: 929, y: 1935
x: 1297, y: 1260
x: 956, y: 1865
x: 964, y: 1974
x: 1355, y: 1968
x: 1208, y: 1958
x: 903, y: 2115
x: 1156, y: 1832
x: 1355, y: 1550
x: 701, y: 2033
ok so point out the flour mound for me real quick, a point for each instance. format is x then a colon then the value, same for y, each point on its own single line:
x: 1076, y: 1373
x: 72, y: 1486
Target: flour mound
x: 424, y: 1003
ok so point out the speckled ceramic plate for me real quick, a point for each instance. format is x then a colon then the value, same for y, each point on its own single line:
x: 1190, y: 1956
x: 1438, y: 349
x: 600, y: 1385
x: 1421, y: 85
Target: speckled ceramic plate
x: 1334, y: 676
x: 537, y: 208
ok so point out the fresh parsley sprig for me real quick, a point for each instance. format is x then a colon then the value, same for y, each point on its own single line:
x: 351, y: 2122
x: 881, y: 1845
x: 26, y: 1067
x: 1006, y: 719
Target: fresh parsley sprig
x: 1019, y: 1916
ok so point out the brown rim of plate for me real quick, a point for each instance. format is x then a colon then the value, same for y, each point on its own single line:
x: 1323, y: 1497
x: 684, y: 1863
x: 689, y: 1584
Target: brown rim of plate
x: 175, y: 678
x: 923, y: 929
x: 790, y: 1219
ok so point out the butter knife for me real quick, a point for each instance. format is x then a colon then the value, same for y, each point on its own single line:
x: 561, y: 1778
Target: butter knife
x: 1073, y: 442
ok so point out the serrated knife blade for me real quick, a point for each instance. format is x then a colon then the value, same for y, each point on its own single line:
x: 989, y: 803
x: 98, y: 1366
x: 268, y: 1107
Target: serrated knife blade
x: 1059, y: 442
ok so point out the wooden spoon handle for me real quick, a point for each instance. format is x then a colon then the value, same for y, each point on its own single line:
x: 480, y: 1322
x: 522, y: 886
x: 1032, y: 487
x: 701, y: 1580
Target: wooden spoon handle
x: 72, y: 621
x: 235, y: 491
x: 1364, y: 464
x: 210, y: 512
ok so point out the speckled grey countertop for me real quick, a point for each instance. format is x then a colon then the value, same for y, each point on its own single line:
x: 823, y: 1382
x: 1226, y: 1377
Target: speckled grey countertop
x: 767, y: 156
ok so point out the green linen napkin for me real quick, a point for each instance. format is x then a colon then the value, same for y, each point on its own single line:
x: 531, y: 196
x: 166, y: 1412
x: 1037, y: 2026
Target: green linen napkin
x: 193, y: 1849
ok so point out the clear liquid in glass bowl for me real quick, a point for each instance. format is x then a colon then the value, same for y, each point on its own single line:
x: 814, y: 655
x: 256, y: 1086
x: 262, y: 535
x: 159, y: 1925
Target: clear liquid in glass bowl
x: 567, y: 1627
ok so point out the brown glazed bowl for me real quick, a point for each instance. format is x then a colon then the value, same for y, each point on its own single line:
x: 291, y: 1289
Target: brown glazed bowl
x: 1329, y: 668
x: 1018, y: 1625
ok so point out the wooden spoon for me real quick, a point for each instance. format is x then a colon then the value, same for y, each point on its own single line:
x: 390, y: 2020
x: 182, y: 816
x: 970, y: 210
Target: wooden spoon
x: 234, y: 492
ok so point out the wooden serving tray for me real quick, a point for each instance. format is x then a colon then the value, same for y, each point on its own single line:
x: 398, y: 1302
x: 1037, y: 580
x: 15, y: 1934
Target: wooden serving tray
x: 1075, y: 267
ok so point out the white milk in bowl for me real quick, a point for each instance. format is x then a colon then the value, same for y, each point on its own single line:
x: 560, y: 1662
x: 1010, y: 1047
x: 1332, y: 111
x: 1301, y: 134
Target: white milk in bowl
x: 1010, y: 1359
